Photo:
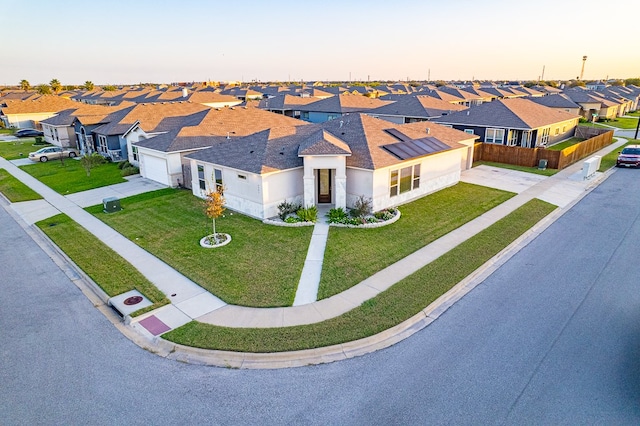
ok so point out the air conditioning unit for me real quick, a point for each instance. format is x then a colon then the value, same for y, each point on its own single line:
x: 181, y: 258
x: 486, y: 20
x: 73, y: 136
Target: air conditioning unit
x: 111, y: 204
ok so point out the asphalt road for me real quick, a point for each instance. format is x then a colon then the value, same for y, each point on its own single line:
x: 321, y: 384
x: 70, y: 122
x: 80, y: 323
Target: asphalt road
x: 552, y: 337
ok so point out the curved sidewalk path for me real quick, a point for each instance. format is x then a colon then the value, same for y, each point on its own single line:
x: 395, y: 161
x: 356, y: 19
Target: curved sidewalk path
x: 188, y: 300
x: 561, y: 189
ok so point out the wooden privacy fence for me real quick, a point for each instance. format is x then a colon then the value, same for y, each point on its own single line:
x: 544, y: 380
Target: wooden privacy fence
x: 530, y: 157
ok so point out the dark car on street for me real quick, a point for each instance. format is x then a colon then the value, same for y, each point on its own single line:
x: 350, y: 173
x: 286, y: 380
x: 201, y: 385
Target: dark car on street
x: 28, y: 133
x: 629, y: 156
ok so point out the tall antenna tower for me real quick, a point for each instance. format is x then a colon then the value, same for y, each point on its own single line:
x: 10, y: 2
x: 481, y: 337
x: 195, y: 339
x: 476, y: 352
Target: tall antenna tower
x: 584, y: 59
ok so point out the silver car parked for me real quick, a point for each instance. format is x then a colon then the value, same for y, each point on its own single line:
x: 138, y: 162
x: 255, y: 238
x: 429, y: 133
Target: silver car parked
x: 51, y: 153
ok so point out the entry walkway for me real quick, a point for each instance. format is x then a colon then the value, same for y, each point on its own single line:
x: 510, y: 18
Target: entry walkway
x: 188, y: 300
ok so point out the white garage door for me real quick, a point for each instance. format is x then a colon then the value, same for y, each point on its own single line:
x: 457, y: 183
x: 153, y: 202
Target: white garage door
x: 155, y: 168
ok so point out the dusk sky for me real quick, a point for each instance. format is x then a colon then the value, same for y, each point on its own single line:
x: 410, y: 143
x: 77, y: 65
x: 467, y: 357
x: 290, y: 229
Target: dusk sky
x: 117, y: 41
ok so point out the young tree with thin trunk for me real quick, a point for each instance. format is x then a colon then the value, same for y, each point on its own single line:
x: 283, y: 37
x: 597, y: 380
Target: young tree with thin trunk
x: 214, y: 208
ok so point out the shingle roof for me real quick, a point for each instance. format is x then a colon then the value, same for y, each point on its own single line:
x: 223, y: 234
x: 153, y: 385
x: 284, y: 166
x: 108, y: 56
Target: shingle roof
x: 343, y: 104
x: 323, y: 143
x: 216, y: 124
x: 363, y: 136
x: 508, y: 113
x: 555, y: 101
x: 43, y: 104
x: 417, y: 107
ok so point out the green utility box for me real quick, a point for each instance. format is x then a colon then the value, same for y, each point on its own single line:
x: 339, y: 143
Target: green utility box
x: 111, y: 204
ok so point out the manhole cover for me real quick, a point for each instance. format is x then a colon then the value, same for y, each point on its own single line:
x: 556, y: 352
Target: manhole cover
x: 133, y: 300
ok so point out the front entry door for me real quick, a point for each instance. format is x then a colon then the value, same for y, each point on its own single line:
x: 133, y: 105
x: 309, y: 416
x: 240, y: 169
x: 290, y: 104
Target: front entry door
x: 324, y: 186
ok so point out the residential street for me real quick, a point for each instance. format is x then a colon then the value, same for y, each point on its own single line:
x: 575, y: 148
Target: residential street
x: 553, y: 337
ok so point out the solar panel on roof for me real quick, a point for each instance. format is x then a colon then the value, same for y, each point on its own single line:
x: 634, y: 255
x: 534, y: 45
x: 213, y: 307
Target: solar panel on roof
x: 408, y: 149
x: 398, y: 135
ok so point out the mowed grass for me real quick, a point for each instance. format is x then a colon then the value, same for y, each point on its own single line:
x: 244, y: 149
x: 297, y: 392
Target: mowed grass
x: 535, y: 170
x: 14, y: 190
x: 107, y: 268
x: 565, y: 144
x: 71, y: 177
x: 390, y: 308
x: 355, y: 254
x: 260, y: 267
x: 623, y: 123
x: 608, y: 161
x: 15, y: 150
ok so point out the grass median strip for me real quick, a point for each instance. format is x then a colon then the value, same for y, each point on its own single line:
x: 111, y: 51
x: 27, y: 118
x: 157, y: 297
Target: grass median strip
x: 70, y: 177
x: 14, y: 190
x: 107, y: 268
x: 261, y: 266
x: 15, y: 150
x: 388, y: 309
x: 545, y: 172
x: 352, y: 255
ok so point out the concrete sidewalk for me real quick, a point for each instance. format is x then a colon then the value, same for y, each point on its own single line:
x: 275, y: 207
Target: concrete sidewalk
x: 188, y: 300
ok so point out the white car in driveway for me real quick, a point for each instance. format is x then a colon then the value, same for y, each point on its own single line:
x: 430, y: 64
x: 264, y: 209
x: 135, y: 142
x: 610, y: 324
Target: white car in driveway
x: 51, y: 153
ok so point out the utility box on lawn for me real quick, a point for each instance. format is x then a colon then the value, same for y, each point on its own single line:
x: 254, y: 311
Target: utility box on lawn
x: 111, y: 204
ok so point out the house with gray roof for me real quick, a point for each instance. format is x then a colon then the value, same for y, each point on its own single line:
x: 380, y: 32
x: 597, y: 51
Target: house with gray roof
x: 412, y: 108
x: 336, y: 106
x: 514, y: 122
x: 333, y: 163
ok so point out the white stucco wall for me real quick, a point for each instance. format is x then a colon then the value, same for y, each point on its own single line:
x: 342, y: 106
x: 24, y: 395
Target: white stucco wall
x: 256, y: 195
x: 437, y: 171
x: 27, y: 121
x: 66, y: 135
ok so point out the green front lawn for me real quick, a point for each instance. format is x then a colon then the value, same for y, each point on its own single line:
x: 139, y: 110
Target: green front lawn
x: 634, y: 113
x: 19, y: 149
x: 355, y: 254
x: 107, y: 268
x: 71, y: 177
x: 608, y: 161
x: 7, y: 131
x: 623, y: 123
x: 14, y: 190
x: 545, y: 172
x: 397, y: 304
x: 565, y: 144
x: 260, y: 267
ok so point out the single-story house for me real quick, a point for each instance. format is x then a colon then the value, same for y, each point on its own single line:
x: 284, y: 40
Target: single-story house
x: 336, y: 106
x: 514, y: 122
x: 24, y: 114
x: 412, y: 108
x: 332, y: 163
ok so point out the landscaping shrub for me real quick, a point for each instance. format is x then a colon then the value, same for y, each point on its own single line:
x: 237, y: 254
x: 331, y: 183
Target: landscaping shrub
x: 361, y: 207
x: 337, y: 215
x: 285, y: 209
x: 309, y: 214
x: 386, y: 214
x: 128, y: 169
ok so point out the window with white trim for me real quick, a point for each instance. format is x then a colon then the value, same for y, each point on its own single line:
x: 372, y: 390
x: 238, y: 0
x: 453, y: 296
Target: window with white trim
x: 513, y: 138
x: 469, y: 131
x: 404, y: 180
x: 494, y: 136
x: 202, y: 182
x: 543, y: 137
x: 134, y: 153
x: 102, y: 143
x: 217, y: 176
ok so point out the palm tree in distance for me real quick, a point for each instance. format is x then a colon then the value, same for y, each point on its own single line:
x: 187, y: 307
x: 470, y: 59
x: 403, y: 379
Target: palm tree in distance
x: 25, y: 85
x: 55, y: 85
